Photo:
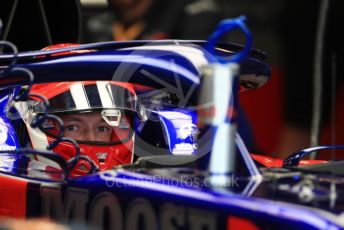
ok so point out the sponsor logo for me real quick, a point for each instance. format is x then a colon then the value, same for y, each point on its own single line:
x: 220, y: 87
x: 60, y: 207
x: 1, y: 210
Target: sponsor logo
x: 102, y: 156
x: 184, y: 149
x: 105, y: 209
x: 188, y: 131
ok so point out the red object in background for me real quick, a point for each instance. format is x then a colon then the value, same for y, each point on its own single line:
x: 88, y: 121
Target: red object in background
x: 263, y: 107
x: 270, y: 162
x: 61, y: 46
x: 237, y: 223
x: 267, y: 161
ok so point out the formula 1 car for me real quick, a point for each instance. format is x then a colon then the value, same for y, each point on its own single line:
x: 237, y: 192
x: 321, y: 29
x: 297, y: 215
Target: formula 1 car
x: 191, y: 168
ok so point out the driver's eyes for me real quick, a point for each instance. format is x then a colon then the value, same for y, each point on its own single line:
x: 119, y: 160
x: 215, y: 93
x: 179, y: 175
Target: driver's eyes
x: 72, y: 128
x: 103, y: 129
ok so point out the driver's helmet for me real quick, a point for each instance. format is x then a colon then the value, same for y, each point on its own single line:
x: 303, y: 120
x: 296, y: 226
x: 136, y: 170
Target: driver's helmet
x: 97, y: 114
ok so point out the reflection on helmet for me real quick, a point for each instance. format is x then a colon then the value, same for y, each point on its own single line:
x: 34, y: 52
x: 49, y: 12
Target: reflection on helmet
x: 97, y: 114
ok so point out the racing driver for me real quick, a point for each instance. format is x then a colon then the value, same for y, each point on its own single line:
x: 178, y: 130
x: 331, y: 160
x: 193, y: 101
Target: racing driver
x: 99, y: 115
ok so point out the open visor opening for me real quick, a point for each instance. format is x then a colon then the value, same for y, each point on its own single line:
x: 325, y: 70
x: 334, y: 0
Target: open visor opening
x: 91, y: 128
x: 90, y: 96
x: 98, y: 112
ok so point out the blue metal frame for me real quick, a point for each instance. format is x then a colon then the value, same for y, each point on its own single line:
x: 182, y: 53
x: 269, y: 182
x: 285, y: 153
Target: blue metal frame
x: 295, y: 158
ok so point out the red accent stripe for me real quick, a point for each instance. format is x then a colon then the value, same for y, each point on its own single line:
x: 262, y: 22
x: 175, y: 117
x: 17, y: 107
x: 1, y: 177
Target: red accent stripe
x: 234, y: 223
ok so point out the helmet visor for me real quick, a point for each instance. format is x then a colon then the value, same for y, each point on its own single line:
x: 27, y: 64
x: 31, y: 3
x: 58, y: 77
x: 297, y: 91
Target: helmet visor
x: 92, y: 111
x: 91, y: 96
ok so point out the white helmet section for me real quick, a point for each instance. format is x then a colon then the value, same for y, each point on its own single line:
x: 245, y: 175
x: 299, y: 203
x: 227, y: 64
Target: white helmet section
x: 38, y: 138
